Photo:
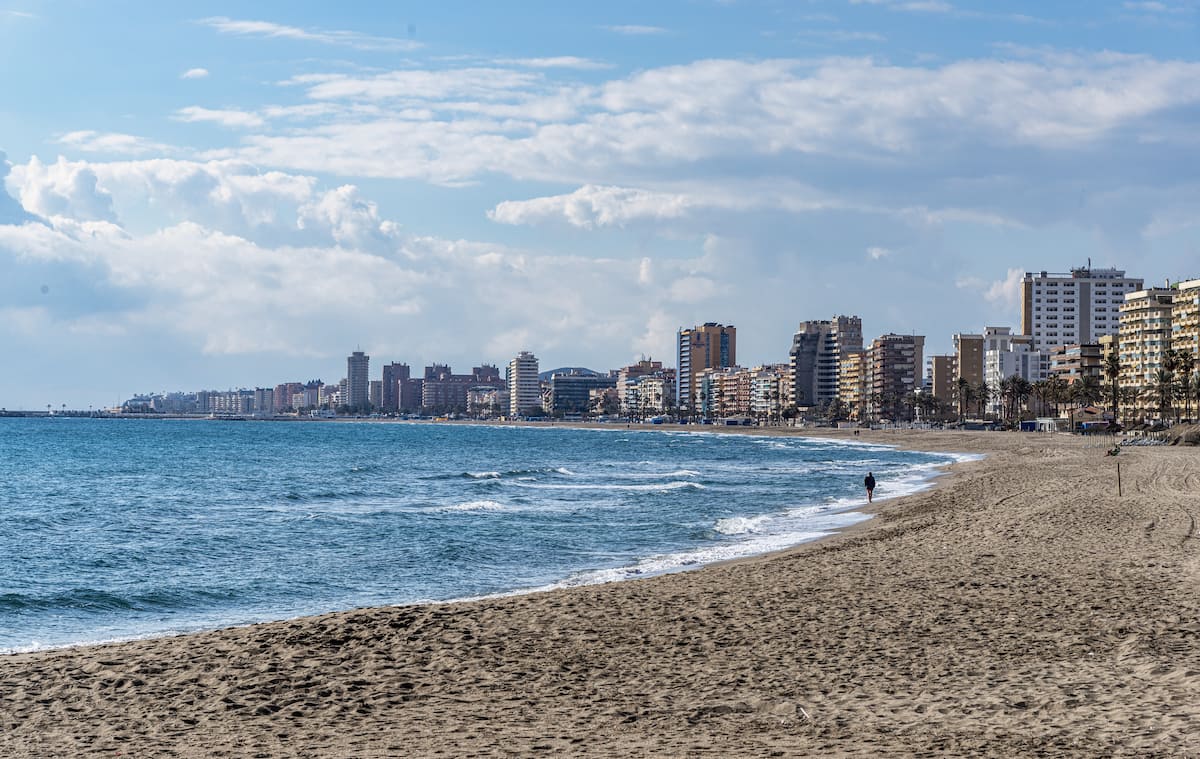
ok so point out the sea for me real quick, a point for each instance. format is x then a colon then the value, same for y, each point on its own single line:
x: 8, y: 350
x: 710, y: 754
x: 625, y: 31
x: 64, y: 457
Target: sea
x: 117, y: 529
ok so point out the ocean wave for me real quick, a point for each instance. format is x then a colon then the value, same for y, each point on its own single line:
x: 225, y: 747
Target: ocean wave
x: 473, y: 506
x: 647, y: 488
x: 684, y: 560
x: 740, y: 525
x: 76, y: 598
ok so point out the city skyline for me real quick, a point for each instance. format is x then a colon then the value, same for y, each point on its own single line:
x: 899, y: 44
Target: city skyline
x: 205, y: 200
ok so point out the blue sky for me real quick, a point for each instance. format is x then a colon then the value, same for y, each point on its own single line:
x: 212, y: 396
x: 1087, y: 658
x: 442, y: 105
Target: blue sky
x: 240, y: 194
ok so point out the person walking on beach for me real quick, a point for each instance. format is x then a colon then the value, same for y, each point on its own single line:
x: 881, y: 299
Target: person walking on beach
x: 869, y: 481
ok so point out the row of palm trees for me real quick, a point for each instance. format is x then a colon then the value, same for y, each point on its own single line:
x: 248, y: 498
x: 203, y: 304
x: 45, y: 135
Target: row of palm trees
x: 1176, y: 380
x: 1172, y: 392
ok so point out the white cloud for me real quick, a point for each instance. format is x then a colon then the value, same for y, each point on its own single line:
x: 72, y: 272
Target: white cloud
x: 271, y: 30
x: 557, y: 62
x: 224, y: 117
x: 196, y: 73
x: 593, y: 206
x: 637, y: 30
x: 60, y: 189
x: 1006, y: 292
x: 721, y: 113
x: 875, y: 252
x: 112, y: 143
x: 343, y: 270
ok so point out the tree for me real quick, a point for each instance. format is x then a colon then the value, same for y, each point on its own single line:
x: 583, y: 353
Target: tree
x: 1112, y: 370
x: 1087, y: 391
x: 963, y: 395
x: 1185, y: 364
x: 1162, y: 390
x: 983, y: 394
x: 1057, y: 390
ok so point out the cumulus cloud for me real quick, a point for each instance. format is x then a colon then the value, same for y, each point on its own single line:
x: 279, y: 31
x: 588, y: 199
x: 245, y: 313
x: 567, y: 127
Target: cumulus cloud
x: 11, y: 211
x: 196, y: 73
x: 1005, y: 292
x: 61, y: 189
x: 593, y: 206
x: 228, y: 278
x: 875, y: 252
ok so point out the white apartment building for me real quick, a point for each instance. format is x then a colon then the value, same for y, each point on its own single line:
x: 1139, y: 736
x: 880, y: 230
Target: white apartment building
x: 1074, y: 308
x: 524, y: 387
x: 1011, y: 356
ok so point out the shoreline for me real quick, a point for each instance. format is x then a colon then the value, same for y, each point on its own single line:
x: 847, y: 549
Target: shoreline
x: 626, y: 573
x: 1016, y: 607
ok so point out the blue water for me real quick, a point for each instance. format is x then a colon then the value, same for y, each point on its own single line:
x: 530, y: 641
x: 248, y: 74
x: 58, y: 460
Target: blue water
x: 112, y: 529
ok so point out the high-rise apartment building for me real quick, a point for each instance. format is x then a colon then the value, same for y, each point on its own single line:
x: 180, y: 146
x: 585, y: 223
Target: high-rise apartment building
x: 817, y: 350
x: 968, y: 358
x: 357, y: 395
x: 943, y: 376
x: 710, y: 346
x: 394, y: 375
x: 852, y: 375
x: 894, y: 369
x: 1145, y: 337
x: 524, y: 387
x: 1185, y: 319
x: 1074, y: 308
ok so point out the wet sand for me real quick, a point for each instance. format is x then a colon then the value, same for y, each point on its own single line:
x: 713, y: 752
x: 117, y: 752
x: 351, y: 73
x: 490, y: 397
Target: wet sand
x: 1020, y: 608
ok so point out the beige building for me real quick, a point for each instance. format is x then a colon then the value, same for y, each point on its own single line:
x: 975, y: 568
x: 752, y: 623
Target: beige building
x: 523, y: 385
x: 895, y: 365
x: 1145, y: 337
x: 851, y: 377
x: 709, y: 346
x: 942, y: 377
x: 968, y: 358
x: 1185, y: 319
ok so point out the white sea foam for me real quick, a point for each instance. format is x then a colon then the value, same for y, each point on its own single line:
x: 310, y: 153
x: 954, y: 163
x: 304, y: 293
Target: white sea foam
x: 564, y: 470
x: 483, y: 475
x: 656, y: 475
x: 474, y: 506
x: 741, y: 525
x: 677, y: 485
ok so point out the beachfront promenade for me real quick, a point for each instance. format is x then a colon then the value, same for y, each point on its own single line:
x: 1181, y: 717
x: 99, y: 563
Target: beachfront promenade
x: 1020, y: 608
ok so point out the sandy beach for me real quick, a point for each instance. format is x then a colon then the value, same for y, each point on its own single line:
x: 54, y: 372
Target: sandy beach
x: 1020, y: 608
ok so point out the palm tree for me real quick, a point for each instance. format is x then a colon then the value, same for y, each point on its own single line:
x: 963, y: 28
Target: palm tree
x: 963, y: 395
x: 1129, y: 398
x: 1087, y: 390
x: 1057, y: 391
x: 1185, y: 364
x: 983, y: 394
x: 1041, y: 391
x: 1112, y: 370
x: 1162, y: 390
x: 1004, y: 391
x: 1194, y: 387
